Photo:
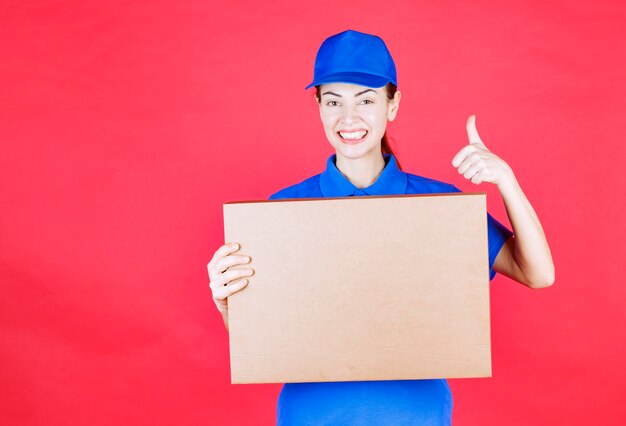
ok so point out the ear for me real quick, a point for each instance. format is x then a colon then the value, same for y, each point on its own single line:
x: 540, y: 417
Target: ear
x: 319, y: 104
x: 394, y: 104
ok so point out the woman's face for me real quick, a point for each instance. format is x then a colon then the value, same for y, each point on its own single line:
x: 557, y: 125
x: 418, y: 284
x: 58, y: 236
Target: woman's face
x: 355, y: 117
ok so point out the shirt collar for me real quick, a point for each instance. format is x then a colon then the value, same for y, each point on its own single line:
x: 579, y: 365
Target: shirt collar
x: 391, y: 180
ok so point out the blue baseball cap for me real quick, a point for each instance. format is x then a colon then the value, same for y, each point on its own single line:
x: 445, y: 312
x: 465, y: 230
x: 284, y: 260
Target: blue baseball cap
x: 354, y: 57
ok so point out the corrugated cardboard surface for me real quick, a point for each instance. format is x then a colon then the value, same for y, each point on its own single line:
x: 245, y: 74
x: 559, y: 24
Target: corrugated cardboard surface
x: 361, y: 288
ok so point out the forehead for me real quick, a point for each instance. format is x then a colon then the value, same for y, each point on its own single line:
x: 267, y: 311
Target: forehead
x: 348, y: 89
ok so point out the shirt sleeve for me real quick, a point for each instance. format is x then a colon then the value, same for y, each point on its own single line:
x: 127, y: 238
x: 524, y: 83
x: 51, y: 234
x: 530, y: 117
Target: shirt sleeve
x: 497, y: 234
x: 278, y: 195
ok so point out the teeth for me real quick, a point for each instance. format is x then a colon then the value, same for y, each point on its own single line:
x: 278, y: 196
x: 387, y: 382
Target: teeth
x: 353, y: 135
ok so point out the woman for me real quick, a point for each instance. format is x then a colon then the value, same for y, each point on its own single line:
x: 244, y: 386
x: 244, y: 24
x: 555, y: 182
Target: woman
x: 356, y: 89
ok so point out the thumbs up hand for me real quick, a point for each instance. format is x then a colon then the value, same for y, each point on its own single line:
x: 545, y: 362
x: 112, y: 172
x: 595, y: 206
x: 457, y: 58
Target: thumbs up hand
x: 476, y: 163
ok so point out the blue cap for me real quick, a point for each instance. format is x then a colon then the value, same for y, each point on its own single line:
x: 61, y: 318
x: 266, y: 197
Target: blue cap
x: 354, y: 57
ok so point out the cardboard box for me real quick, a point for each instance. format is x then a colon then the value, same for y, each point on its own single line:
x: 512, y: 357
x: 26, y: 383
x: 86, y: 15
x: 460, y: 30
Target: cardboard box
x: 361, y: 288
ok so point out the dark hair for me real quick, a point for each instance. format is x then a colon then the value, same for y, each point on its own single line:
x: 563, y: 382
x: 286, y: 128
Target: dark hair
x: 390, y: 89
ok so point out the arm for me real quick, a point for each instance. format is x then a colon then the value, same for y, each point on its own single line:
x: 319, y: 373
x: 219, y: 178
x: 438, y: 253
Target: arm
x: 525, y: 257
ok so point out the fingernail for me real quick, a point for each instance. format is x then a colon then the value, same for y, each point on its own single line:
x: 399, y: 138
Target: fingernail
x: 235, y: 245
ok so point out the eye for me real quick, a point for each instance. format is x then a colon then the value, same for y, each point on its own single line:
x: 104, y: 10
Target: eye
x: 332, y: 103
x: 367, y: 101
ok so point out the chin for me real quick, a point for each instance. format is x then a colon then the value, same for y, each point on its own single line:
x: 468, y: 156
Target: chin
x: 355, y: 152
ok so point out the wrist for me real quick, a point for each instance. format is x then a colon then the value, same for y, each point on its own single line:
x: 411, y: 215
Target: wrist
x: 508, y: 180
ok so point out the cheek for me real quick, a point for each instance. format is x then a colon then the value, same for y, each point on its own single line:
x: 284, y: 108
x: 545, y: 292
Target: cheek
x: 378, y: 120
x: 329, y: 121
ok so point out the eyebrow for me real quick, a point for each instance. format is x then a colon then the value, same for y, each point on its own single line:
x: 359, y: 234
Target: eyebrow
x: 355, y: 95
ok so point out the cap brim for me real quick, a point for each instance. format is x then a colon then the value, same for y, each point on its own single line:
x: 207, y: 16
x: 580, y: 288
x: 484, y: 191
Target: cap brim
x: 362, y: 79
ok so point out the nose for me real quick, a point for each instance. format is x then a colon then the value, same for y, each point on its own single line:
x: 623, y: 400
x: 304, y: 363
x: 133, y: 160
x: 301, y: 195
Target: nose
x: 350, y: 114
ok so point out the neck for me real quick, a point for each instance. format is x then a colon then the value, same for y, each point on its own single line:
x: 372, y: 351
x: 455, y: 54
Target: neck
x: 364, y: 171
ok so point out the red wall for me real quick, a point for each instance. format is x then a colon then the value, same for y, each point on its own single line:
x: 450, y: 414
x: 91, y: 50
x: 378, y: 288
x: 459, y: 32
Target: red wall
x: 125, y: 126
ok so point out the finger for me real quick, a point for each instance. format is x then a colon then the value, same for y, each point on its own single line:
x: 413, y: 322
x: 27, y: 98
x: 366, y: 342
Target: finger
x: 479, y: 177
x: 472, y: 132
x: 227, y: 261
x: 462, y: 154
x: 230, y: 275
x: 476, y: 179
x: 469, y: 173
x: 224, y: 292
x: 468, y: 162
x: 221, y: 252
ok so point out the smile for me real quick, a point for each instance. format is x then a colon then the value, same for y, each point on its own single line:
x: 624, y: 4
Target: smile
x: 353, y: 136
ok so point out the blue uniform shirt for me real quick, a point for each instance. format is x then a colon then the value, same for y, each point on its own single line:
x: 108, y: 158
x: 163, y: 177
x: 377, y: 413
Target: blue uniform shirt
x: 393, y: 402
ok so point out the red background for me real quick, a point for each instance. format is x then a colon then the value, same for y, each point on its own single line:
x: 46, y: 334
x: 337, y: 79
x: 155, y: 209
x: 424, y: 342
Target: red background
x: 126, y: 125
